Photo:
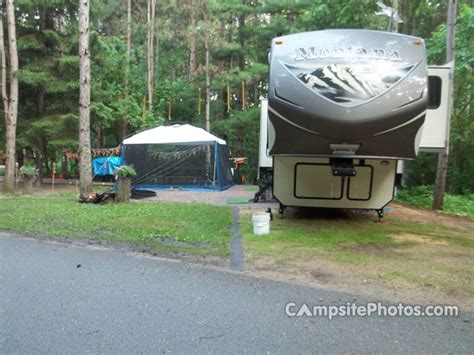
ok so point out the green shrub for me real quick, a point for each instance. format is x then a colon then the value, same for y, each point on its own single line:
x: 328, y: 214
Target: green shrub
x: 460, y: 205
x: 27, y: 171
x: 125, y: 171
x: 422, y: 196
x: 419, y: 196
x: 2, y: 171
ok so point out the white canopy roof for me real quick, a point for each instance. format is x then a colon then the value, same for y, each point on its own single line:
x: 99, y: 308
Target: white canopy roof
x: 176, y: 134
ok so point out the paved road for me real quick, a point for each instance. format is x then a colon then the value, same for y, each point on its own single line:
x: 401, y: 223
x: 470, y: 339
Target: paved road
x: 116, y: 302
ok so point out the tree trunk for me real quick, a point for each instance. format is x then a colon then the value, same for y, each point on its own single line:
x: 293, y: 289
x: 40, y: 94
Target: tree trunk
x: 208, y: 87
x: 243, y: 95
x: 38, y: 163
x: 127, y: 64
x: 64, y: 166
x: 394, y: 11
x: 85, y: 171
x: 99, y: 134
x: 442, y: 169
x: 27, y: 185
x: 150, y: 52
x: 405, y: 16
x: 3, y: 74
x: 256, y: 97
x: 40, y: 103
x: 413, y: 16
x: 192, y: 51
x: 10, y: 102
x: 123, y: 189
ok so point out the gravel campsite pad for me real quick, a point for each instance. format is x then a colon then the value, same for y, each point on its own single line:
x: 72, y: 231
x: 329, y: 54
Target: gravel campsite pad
x: 236, y: 195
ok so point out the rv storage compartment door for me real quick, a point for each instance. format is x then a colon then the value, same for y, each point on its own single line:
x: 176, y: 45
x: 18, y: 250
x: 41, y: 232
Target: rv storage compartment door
x: 435, y: 134
x: 359, y: 187
x: 314, y: 180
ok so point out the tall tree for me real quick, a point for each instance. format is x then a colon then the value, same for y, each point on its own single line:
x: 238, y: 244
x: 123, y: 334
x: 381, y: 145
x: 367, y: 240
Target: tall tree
x: 127, y: 63
x: 151, y: 4
x: 208, y: 84
x: 10, y: 102
x: 442, y: 170
x: 85, y: 173
x: 192, y: 45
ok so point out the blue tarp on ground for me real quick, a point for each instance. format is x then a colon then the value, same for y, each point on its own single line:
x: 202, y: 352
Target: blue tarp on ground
x: 105, y: 166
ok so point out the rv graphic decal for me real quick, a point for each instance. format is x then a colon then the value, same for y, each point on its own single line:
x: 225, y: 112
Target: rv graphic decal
x: 350, y: 85
x: 345, y: 53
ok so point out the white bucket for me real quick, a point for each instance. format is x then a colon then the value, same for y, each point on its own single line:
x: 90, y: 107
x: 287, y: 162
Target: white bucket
x: 261, y: 223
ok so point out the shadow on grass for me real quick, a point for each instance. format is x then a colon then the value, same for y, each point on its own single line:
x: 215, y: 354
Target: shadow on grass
x: 314, y: 213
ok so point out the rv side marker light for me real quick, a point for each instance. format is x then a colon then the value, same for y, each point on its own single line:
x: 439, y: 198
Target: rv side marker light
x: 417, y: 42
x: 278, y: 41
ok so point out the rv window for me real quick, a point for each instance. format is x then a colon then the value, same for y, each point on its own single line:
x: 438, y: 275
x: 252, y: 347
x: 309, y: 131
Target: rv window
x: 434, y: 92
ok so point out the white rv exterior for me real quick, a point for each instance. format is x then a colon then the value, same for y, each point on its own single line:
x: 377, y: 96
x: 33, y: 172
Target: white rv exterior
x: 348, y: 174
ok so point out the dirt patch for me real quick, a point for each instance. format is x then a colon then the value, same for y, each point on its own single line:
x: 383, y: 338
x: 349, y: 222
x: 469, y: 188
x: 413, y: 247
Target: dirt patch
x: 368, y: 249
x: 418, y: 239
x: 370, y: 283
x: 322, y: 276
x: 425, y: 216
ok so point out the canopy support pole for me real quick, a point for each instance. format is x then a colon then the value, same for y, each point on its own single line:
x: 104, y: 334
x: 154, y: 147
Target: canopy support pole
x: 215, y: 162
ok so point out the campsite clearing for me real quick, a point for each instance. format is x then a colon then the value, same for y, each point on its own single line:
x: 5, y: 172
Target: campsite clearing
x: 416, y: 256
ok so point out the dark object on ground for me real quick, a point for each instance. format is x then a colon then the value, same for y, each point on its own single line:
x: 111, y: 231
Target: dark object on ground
x: 264, y: 193
x: 106, y: 196
x: 139, y: 194
x: 269, y: 210
x: 265, y: 186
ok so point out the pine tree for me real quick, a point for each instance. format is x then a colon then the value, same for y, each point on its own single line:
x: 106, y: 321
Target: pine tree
x: 85, y: 174
x: 10, y: 101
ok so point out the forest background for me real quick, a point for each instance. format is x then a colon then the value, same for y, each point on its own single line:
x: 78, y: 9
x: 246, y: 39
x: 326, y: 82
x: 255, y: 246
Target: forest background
x: 204, y: 62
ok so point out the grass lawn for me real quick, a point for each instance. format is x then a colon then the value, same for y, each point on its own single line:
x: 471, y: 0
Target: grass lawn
x: 160, y: 227
x: 400, y: 251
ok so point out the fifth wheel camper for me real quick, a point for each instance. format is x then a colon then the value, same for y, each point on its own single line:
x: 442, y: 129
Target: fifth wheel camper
x: 344, y: 109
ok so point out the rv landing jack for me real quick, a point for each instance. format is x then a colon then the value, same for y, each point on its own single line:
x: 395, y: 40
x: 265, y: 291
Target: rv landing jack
x: 380, y: 215
x: 281, y: 209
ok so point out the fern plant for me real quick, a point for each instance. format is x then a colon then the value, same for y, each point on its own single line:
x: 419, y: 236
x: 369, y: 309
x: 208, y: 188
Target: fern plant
x: 125, y: 171
x: 27, y: 171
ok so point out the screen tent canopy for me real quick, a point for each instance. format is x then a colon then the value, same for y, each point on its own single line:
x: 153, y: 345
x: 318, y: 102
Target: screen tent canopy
x: 176, y: 134
x: 178, y: 156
